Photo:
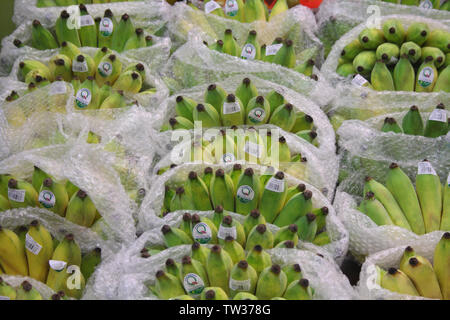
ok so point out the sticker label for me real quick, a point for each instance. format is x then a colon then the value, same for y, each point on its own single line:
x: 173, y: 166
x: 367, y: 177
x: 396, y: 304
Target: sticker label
x: 248, y: 52
x: 275, y: 185
x: 193, y: 284
x: 58, y: 87
x: 438, y: 115
x: 105, y: 69
x: 83, y: 98
x: 257, y: 115
x: 86, y: 21
x: 273, y: 49
x: 426, y: 77
x: 47, y: 198
x: 211, y: 6
x: 245, y: 194
x: 57, y: 265
x: 240, y: 285
x: 253, y: 149
x: 231, y: 8
x: 16, y: 195
x: 31, y: 245
x: 202, y: 233
x: 226, y: 232
x: 106, y: 27
x: 425, y: 167
x: 228, y: 157
x: 4, y: 298
x: 78, y: 66
x: 231, y: 107
x: 359, y: 81
x: 426, y: 4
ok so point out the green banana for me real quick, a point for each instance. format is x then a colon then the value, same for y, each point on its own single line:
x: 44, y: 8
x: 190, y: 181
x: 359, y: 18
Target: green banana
x: 286, y: 55
x: 181, y: 200
x: 38, y: 237
x: 284, y: 117
x: 375, y: 210
x: 214, y: 293
x: 426, y: 76
x: 445, y: 221
x: 106, y: 29
x: 252, y: 220
x: 207, y: 114
x: 222, y: 190
x: 298, y: 290
x: 88, y: 29
x: 272, y: 283
x: 275, y: 100
x: 418, y: 33
x: 136, y: 41
x: 230, y: 46
x: 388, y: 53
x: 6, y: 291
x: 174, y: 237
x: 394, y: 32
x: 53, y: 196
x: 234, y: 9
x: 194, y: 276
x: 63, y: 32
x: 234, y: 249
x: 231, y: 228
x: 70, y: 50
x: 122, y: 33
x: 443, y: 81
x: 167, y: 286
x: 129, y: 81
x: 21, y: 194
x: 215, y: 96
x: 364, y: 62
x: 184, y: 107
x: 258, y: 258
x: 218, y: 268
x: 245, y: 296
x: 404, y: 75
x: 397, y: 281
x: 243, y: 278
x: 412, y: 50
x: 41, y: 38
x: 390, y: 125
x: 412, y: 122
x: 436, y: 123
x: 254, y: 10
x: 259, y: 235
x: 257, y: 111
x: 273, y: 197
x: 247, y: 192
x: 200, y: 252
x: 286, y: 233
x: 27, y: 292
x: 180, y: 123
x: 381, y: 78
x: 232, y: 111
x: 200, y: 195
x: 81, y: 210
x: 351, y: 50
x: 203, y: 230
x: 251, y: 49
x: 296, y: 207
x: 441, y: 264
x: 306, y: 227
x: 90, y: 261
x: 371, y: 38
x: 436, y: 53
x: 27, y: 66
x: 293, y: 272
x: 439, y: 39
x: 246, y: 91
x: 83, y: 66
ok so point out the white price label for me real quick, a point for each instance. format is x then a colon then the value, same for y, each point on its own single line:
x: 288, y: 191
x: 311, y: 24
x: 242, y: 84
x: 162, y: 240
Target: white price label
x: 231, y: 107
x: 16, y: 195
x: 58, y: 87
x: 4, y: 298
x: 425, y: 167
x: 438, y: 115
x: 359, y: 81
x: 248, y: 52
x: 253, y: 149
x: 86, y: 20
x: 275, y: 185
x: 211, y: 6
x: 83, y: 98
x: 32, y: 245
x: 78, y: 66
x: 57, y: 265
x: 106, y: 27
x: 273, y: 49
x: 240, y: 285
x: 226, y: 232
x: 426, y: 77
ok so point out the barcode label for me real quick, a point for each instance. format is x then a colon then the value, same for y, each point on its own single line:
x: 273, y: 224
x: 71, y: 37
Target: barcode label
x: 78, y: 66
x: 275, y: 185
x: 226, y: 232
x: 86, y: 21
x: 4, y: 298
x: 253, y: 149
x: 273, y: 49
x: 211, y: 6
x: 57, y: 265
x: 16, y: 195
x: 231, y: 107
x: 425, y: 167
x: 359, y: 81
x: 32, y: 245
x: 239, y: 285
x: 58, y: 87
x: 439, y: 115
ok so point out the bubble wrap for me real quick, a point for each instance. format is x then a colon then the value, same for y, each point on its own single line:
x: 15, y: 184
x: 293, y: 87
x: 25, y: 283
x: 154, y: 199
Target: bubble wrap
x: 336, y: 18
x: 132, y: 273
x: 154, y: 56
x: 368, y: 287
x: 194, y: 64
x: 15, y: 281
x: 353, y: 102
x: 152, y: 204
x: 80, y: 164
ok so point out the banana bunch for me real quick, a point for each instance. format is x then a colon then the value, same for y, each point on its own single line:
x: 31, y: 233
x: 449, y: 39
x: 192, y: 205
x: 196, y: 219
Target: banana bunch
x: 223, y: 273
x: 245, y: 106
x: 262, y: 199
x: 100, y: 32
x: 422, y: 209
x: 65, y: 3
x: 61, y: 197
x: 280, y: 52
x: 24, y: 292
x: 416, y: 276
x: 437, y: 124
x: 425, y: 4
x: 32, y: 251
x: 394, y: 59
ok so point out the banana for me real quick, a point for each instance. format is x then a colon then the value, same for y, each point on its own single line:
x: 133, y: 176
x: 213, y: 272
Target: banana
x: 186, y: 224
x: 149, y: 41
x: 6, y: 291
x: 422, y: 274
x: 303, y: 122
x: 27, y: 292
x: 243, y: 278
x: 13, y: 258
x: 257, y: 111
x: 441, y: 264
x: 234, y: 249
x: 218, y: 268
x: 404, y: 75
x: 371, y: 38
x: 351, y: 50
x: 346, y: 69
x: 251, y: 49
x: 397, y: 281
x: 87, y: 96
x: 100, y: 54
x: 286, y: 233
x: 63, y: 32
x: 4, y: 204
x: 418, y: 33
x: 207, y: 114
x: 246, y: 91
x: 234, y: 9
x: 394, y: 32
x: 38, y: 237
x: 296, y: 207
x: 407, y: 254
x: 429, y: 193
x: 61, y: 65
x: 400, y: 186
x: 232, y: 111
x: 106, y: 29
x: 180, y: 123
x: 167, y: 286
x: 258, y: 259
x: 436, y: 123
x: 284, y: 117
x: 175, y: 237
x: 364, y: 62
x: 222, y: 190
x: 412, y: 50
x: 388, y: 53
x: 298, y: 290
x: 185, y: 107
x: 381, y: 78
x: 53, y: 196
x: 273, y: 197
x: 236, y: 172
x: 307, y: 67
x: 390, y: 125
x: 27, y: 66
x: 21, y: 194
x: 173, y: 268
x: 214, y: 293
x: 88, y: 29
x: 230, y: 46
x: 252, y: 220
x: 130, y: 82
x: 426, y: 76
x: 217, y: 46
x: 105, y: 92
x: 259, y: 235
x: 83, y: 66
x: 445, y: 221
x: 194, y: 276
x: 292, y: 191
x: 272, y: 50
x: 41, y: 38
x: 81, y: 210
x: 90, y: 261
x: 443, y: 81
x: 213, y: 7
x: 181, y: 200
x: 307, y: 227
x: 203, y: 230
x: 136, y: 41
x: 71, y: 188
x: 38, y: 178
x: 254, y: 10
x: 375, y: 210
x: 69, y: 50
x: 275, y: 100
x: 293, y: 272
x: 122, y: 33
x: 200, y: 195
x: 245, y: 296
x: 437, y: 54
x: 286, y: 55
x: 272, y: 282
x: 439, y: 39
x: 247, y: 192
x: 231, y: 228
x: 215, y: 96
x: 200, y: 252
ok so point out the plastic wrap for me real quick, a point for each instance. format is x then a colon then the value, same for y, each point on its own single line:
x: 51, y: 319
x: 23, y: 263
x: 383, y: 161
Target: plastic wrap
x: 353, y: 102
x: 368, y: 286
x: 151, y: 206
x: 336, y: 18
x: 194, y: 64
x: 91, y: 169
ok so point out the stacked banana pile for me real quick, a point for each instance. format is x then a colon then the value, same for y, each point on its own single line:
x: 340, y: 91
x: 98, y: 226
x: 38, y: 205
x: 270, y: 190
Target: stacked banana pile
x: 65, y: 3
x: 425, y: 4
